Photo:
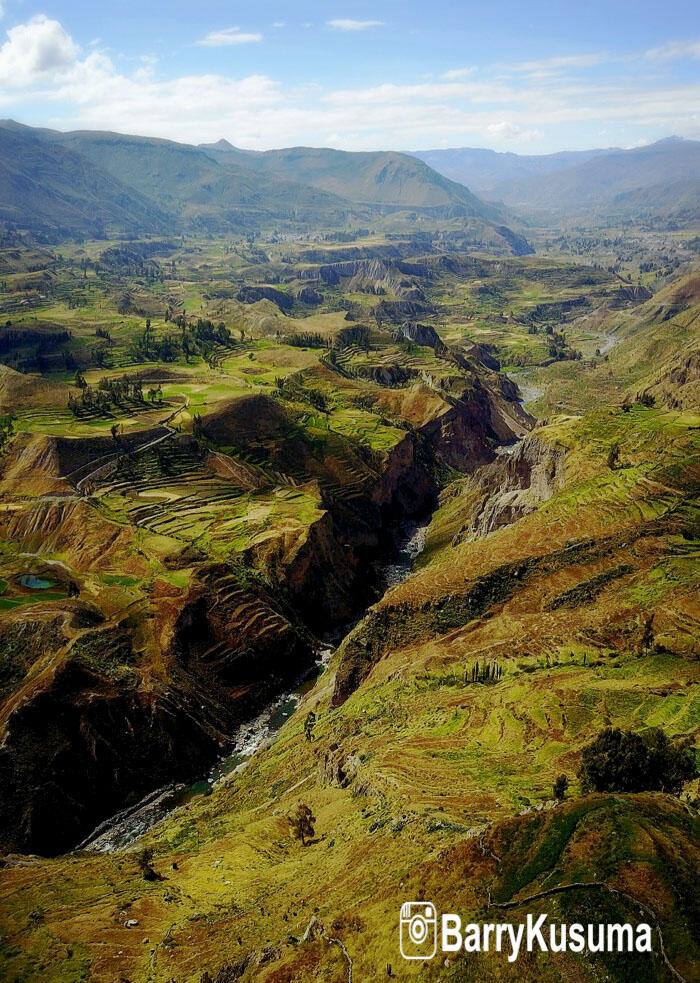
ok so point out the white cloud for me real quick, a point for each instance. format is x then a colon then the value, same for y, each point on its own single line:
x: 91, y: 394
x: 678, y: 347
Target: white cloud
x: 230, y: 35
x: 510, y: 132
x: 35, y: 50
x: 554, y: 65
x: 675, y: 49
x: 40, y: 65
x: 390, y: 94
x: 279, y: 23
x: 347, y: 24
x: 458, y: 73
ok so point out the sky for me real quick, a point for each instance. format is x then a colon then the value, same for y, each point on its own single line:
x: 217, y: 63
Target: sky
x: 528, y: 77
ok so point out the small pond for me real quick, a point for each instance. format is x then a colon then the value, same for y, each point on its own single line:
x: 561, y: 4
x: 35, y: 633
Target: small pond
x: 33, y: 582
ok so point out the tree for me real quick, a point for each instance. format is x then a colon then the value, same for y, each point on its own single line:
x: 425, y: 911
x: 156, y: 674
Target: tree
x: 125, y: 302
x: 647, y: 639
x: 143, y: 859
x: 309, y: 725
x: 197, y: 426
x: 301, y: 823
x: 560, y: 786
x: 319, y: 402
x: 622, y: 761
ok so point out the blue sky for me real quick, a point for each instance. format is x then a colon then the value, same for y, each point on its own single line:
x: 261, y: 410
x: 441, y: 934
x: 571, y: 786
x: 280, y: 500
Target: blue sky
x: 528, y: 77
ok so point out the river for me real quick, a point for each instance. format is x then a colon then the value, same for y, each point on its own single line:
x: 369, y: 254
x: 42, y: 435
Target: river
x: 528, y: 393
x: 127, y: 825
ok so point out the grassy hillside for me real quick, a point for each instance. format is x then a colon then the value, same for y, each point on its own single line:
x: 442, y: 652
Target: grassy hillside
x: 51, y: 190
x: 644, y: 344
x: 442, y: 786
x: 184, y: 179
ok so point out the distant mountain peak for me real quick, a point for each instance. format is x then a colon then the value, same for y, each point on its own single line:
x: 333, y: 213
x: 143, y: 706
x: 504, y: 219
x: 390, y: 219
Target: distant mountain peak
x: 219, y: 145
x: 667, y: 140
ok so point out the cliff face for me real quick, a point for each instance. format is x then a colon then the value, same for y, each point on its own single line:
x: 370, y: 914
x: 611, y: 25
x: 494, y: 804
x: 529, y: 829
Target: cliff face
x: 93, y: 729
x: 513, y: 485
x: 677, y: 385
x: 83, y: 744
x: 497, y: 494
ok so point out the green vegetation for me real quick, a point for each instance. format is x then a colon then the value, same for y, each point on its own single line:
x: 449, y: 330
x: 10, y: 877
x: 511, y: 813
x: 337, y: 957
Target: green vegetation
x: 301, y: 823
x: 208, y: 477
x: 626, y: 762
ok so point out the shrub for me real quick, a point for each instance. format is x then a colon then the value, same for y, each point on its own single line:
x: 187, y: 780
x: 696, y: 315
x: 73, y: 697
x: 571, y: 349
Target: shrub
x: 144, y: 862
x: 560, y: 786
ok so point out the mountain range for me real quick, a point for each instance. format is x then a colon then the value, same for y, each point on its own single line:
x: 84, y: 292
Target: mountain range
x: 658, y: 181
x: 100, y: 184
x: 109, y: 184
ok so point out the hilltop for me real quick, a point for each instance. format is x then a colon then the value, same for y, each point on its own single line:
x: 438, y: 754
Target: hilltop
x: 385, y: 178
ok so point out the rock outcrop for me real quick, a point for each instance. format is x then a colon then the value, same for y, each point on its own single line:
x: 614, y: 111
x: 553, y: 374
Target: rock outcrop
x: 513, y: 485
x: 252, y: 294
x: 420, y: 334
x: 92, y: 730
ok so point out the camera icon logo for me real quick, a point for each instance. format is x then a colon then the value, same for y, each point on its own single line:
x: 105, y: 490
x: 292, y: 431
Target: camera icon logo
x: 418, y: 930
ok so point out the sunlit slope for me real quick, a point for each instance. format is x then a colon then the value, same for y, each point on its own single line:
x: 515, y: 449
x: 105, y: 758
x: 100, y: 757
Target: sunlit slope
x: 421, y: 772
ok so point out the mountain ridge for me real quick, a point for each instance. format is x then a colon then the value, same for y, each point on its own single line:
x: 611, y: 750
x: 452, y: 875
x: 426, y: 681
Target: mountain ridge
x: 218, y: 189
x: 595, y: 184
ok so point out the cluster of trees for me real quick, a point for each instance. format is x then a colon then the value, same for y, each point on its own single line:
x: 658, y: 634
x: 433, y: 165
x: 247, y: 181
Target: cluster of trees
x: 110, y: 392
x: 195, y: 338
x: 306, y: 339
x: 489, y: 672
x: 7, y: 429
x: 46, y: 341
x: 127, y: 260
x: 147, y: 347
x: 561, y: 784
x: 558, y: 347
x: 31, y: 349
x: 642, y: 399
x: 623, y: 761
x: 357, y: 334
